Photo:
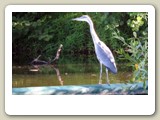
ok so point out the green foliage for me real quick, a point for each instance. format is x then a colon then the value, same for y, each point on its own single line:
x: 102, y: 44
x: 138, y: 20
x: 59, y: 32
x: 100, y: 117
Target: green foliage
x: 126, y: 34
x: 136, y: 50
x: 137, y: 20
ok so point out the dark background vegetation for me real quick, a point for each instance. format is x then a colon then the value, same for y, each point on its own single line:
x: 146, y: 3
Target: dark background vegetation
x: 126, y: 34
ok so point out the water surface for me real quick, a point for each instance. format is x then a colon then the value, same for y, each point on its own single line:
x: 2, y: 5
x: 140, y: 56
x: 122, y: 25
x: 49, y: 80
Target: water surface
x: 64, y: 74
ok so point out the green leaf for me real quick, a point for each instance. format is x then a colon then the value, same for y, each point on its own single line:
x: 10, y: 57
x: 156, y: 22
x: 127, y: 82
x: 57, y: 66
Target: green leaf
x: 135, y: 34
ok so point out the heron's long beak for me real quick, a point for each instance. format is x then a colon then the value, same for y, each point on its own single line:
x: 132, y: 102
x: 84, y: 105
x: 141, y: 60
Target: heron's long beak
x: 77, y: 19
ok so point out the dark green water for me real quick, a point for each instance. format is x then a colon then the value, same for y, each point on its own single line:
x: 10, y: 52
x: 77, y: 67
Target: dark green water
x: 65, y: 74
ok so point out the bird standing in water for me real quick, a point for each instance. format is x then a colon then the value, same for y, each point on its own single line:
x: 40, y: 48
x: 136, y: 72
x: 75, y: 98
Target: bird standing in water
x: 103, y: 53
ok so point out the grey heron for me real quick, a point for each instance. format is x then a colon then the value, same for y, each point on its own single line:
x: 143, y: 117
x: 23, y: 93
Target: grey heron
x: 103, y: 53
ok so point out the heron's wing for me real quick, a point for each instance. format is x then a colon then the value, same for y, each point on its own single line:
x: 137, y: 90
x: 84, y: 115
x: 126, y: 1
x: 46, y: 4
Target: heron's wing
x: 105, y: 56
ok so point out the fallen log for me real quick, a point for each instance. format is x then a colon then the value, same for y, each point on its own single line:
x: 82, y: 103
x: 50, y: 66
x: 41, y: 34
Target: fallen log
x: 36, y: 63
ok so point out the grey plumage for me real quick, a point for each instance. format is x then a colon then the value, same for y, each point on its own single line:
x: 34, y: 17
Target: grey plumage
x: 103, y: 53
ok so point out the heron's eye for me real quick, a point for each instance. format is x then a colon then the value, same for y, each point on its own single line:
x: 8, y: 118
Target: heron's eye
x: 99, y: 43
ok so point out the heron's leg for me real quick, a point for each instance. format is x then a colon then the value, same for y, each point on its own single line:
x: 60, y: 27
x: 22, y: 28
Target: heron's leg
x: 107, y: 79
x: 100, y: 77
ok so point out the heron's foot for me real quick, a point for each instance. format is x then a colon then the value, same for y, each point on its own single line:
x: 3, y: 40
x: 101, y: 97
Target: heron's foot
x: 108, y: 82
x: 100, y: 81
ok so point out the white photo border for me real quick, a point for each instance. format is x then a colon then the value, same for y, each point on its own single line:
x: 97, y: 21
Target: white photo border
x: 79, y: 104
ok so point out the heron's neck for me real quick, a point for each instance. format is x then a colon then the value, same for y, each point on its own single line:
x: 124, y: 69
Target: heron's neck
x: 93, y: 32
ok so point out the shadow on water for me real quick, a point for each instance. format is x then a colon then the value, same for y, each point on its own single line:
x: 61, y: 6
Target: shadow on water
x: 71, y: 72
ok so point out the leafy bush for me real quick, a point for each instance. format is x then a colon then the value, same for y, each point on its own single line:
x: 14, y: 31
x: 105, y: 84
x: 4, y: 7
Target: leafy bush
x: 136, y: 50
